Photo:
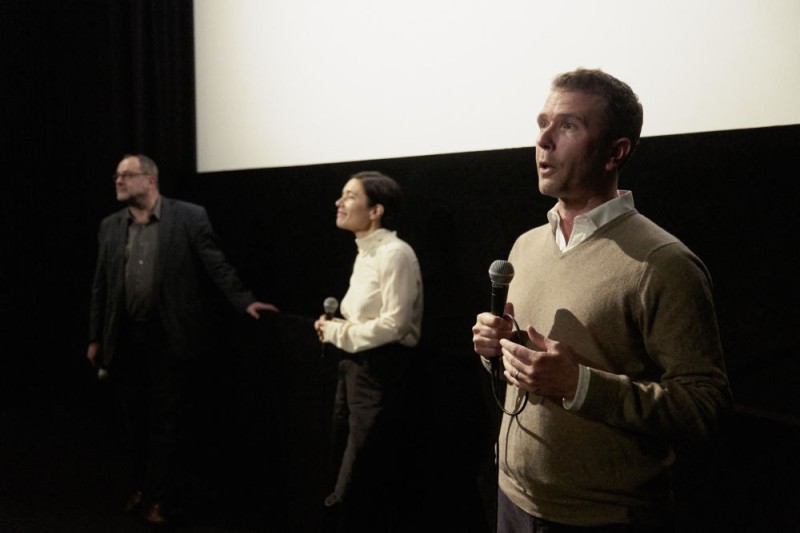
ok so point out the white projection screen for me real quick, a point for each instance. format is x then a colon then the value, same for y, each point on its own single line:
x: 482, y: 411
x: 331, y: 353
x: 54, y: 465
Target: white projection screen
x: 299, y: 82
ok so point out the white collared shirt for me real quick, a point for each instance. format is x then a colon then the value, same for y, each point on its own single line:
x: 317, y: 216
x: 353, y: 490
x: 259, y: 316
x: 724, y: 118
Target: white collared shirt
x: 589, y: 222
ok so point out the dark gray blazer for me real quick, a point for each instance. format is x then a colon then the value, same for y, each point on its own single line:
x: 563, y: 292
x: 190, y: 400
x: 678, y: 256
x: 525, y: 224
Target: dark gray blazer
x: 188, y: 262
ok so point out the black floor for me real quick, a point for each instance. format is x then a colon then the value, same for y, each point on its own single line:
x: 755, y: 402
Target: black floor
x: 62, y: 472
x: 258, y: 459
x: 259, y: 452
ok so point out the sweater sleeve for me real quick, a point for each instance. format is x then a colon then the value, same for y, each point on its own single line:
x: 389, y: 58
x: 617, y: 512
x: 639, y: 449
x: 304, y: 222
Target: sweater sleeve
x: 678, y: 322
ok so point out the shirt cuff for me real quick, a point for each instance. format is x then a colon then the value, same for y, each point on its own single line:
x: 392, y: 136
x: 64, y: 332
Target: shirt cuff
x: 584, y: 375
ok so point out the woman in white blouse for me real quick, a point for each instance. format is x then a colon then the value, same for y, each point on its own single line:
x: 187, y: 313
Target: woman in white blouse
x: 380, y: 324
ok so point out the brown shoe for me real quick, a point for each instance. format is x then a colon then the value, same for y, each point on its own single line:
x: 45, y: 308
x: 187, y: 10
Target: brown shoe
x: 154, y: 514
x: 133, y: 502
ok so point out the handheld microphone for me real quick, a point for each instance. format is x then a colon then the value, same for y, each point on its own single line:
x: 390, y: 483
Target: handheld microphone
x: 500, y: 273
x: 330, y: 305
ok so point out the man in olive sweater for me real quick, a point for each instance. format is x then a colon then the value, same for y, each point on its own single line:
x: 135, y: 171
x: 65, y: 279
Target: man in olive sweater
x: 621, y: 353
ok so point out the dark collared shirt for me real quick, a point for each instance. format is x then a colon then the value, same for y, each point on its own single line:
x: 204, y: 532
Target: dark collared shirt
x: 141, y: 250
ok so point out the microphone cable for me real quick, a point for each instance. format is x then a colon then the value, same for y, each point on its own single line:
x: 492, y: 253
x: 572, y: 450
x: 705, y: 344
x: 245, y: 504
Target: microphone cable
x: 522, y: 401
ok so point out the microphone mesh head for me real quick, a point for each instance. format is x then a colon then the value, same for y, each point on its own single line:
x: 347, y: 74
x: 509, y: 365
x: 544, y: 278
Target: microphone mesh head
x: 501, y: 272
x: 330, y: 305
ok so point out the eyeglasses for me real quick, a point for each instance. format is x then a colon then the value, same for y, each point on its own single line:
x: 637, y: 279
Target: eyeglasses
x: 127, y: 175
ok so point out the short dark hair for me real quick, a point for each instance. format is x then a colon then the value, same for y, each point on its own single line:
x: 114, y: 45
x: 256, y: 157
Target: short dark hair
x: 147, y: 165
x: 624, y: 113
x: 381, y: 189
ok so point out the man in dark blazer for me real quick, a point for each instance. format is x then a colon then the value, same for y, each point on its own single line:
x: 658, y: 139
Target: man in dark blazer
x: 150, y: 316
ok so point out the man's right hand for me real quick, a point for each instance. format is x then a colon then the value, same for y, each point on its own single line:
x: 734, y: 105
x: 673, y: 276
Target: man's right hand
x: 489, y: 329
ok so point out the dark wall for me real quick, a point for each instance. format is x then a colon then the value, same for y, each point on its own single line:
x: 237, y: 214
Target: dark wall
x: 67, y: 119
x: 729, y: 195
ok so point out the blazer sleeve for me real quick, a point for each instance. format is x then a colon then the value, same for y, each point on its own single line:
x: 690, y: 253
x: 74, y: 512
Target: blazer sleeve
x: 216, y: 265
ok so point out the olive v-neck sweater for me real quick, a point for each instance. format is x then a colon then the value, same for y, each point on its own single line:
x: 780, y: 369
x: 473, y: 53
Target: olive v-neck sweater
x: 636, y: 303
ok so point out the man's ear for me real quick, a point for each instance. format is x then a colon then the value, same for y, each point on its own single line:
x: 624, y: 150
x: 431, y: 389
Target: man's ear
x: 619, y: 151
